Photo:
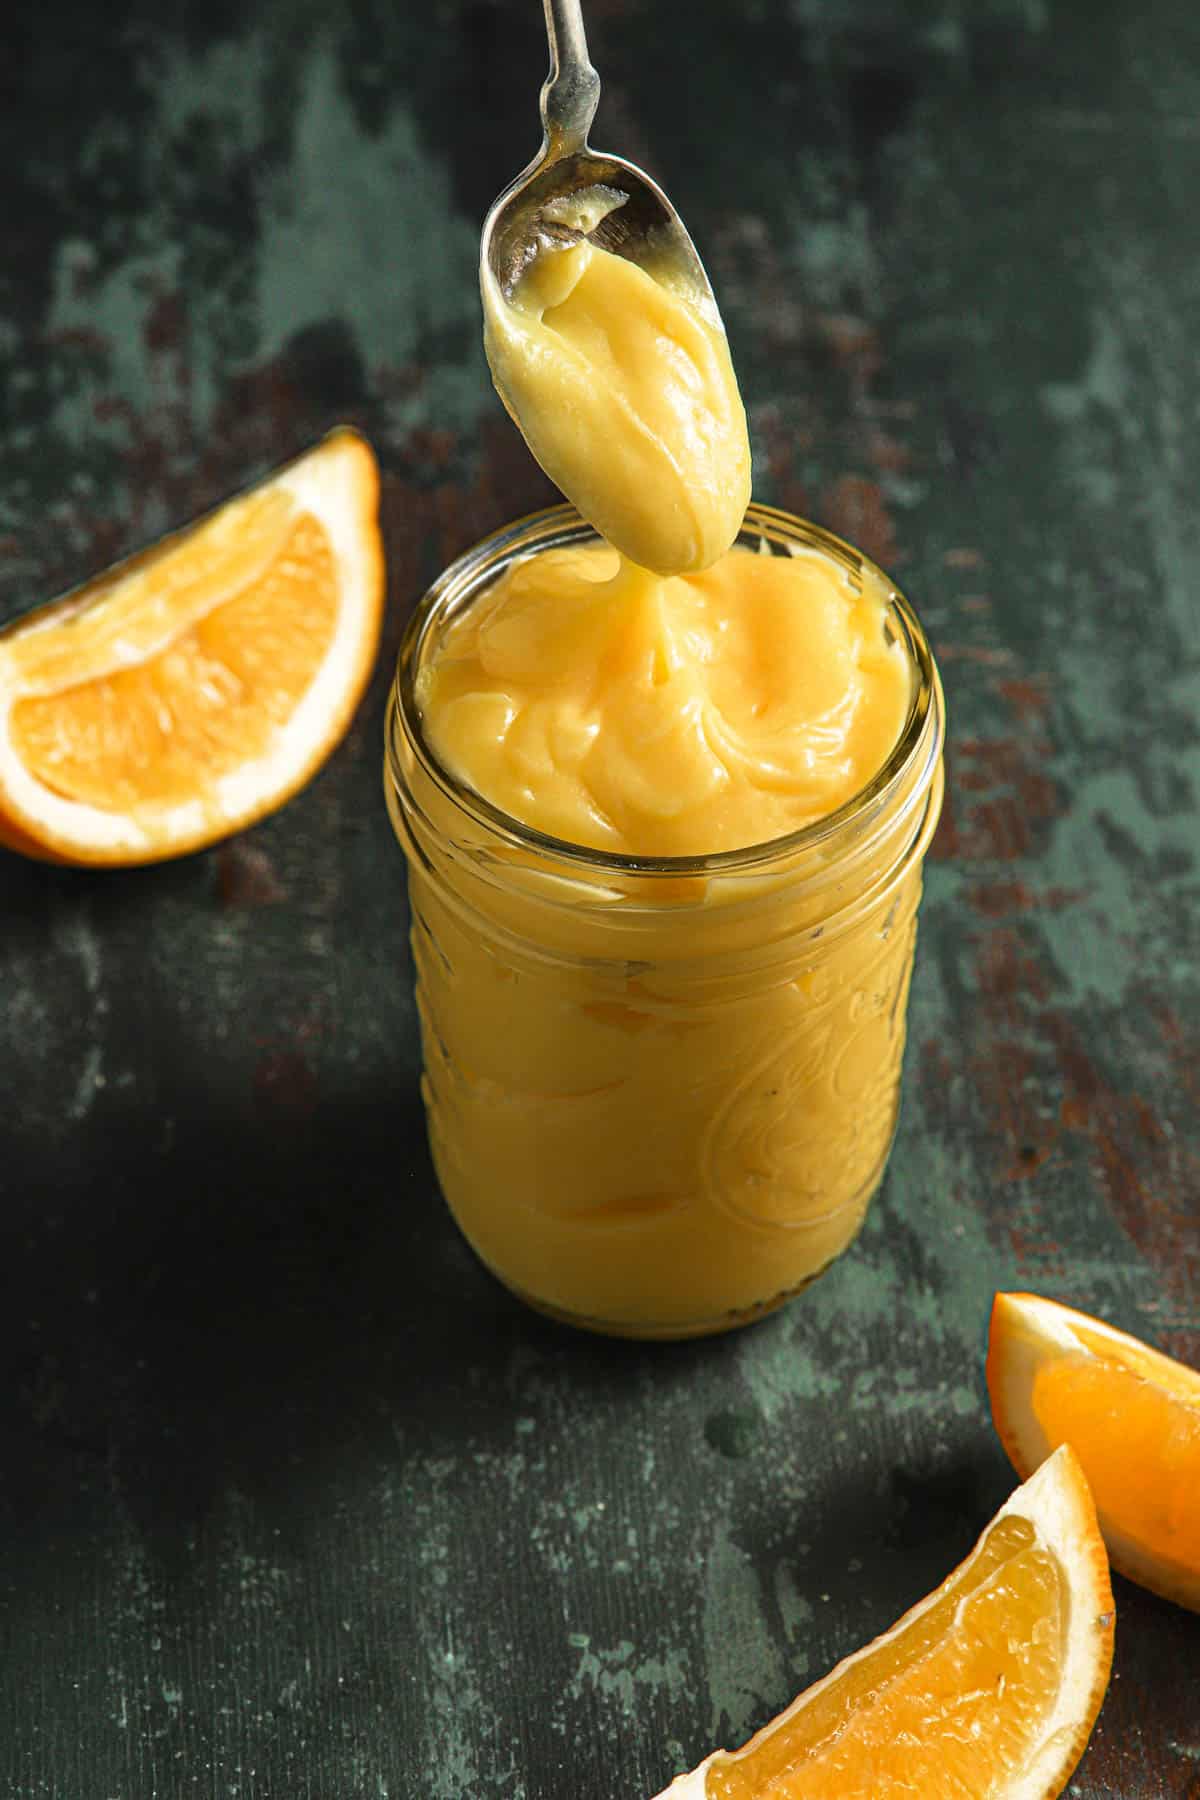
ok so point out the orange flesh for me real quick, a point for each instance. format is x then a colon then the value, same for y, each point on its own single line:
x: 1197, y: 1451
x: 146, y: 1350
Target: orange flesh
x: 1139, y: 1443
x: 949, y: 1706
x: 162, y: 731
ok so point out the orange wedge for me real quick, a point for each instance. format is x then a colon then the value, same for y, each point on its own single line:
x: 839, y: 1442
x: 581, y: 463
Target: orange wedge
x: 186, y: 692
x: 991, y: 1685
x: 1132, y: 1416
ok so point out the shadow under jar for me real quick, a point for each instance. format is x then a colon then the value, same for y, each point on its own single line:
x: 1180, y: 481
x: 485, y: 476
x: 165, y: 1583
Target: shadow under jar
x: 660, y: 1093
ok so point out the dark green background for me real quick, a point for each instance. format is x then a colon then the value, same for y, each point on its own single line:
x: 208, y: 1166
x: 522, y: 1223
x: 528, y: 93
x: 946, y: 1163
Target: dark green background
x: 295, y: 1504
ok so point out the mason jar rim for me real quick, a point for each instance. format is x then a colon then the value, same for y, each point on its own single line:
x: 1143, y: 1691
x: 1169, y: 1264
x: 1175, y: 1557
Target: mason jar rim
x: 456, y: 585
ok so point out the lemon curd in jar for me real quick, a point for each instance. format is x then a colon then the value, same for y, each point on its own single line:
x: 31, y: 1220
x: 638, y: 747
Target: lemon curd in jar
x: 662, y: 1024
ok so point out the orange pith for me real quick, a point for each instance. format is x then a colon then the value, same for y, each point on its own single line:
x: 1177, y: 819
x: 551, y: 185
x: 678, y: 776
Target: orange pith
x: 204, y: 704
x: 186, y: 692
x: 981, y: 1666
x: 1132, y: 1416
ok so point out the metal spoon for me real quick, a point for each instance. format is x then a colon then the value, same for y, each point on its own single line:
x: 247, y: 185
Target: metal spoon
x: 570, y: 191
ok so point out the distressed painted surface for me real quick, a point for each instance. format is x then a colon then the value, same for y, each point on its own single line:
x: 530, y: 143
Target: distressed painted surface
x: 294, y: 1501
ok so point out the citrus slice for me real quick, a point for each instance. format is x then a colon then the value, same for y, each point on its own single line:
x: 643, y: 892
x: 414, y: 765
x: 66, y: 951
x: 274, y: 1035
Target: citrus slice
x: 989, y: 1686
x: 1132, y: 1416
x: 191, y: 689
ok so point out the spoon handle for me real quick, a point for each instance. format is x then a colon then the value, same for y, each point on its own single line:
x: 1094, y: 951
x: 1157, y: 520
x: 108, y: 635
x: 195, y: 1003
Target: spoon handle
x: 571, y: 91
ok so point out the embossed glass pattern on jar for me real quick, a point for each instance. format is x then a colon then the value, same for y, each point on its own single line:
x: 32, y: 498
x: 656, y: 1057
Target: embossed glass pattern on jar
x: 660, y: 1094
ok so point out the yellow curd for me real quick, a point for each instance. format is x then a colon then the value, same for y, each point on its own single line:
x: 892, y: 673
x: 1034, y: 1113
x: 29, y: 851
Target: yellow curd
x: 660, y: 1089
x: 624, y: 391
x: 665, y: 813
x: 669, y: 717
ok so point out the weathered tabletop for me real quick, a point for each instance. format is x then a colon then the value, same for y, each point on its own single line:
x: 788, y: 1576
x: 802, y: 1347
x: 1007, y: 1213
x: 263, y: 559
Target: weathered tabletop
x: 295, y: 1503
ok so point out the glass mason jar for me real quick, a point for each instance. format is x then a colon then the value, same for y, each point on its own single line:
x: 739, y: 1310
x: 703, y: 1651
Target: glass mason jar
x: 660, y: 1094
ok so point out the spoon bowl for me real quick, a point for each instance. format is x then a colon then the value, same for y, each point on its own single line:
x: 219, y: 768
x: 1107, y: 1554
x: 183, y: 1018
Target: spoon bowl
x: 570, y: 192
